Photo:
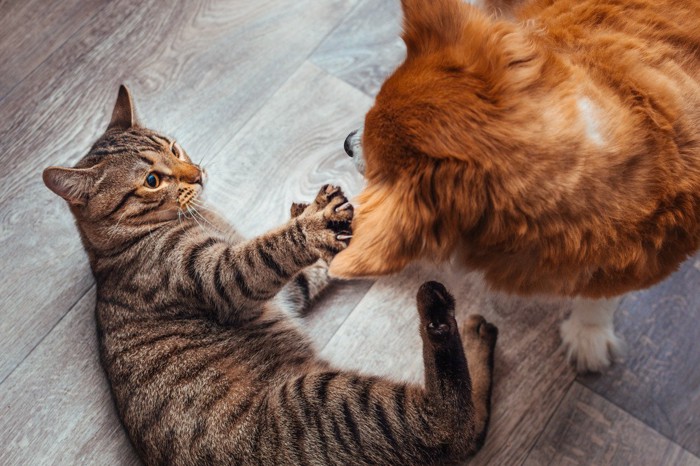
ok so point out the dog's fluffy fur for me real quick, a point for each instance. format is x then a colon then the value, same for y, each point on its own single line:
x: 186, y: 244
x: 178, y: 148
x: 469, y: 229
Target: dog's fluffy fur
x: 559, y: 152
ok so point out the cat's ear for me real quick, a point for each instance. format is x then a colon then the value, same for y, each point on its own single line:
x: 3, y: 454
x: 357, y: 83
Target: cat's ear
x: 123, y: 115
x: 72, y: 184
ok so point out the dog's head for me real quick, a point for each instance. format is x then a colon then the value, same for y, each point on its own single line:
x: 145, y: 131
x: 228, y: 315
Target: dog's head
x: 426, y: 146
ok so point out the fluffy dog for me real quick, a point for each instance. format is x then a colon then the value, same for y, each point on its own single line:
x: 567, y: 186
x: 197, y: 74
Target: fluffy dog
x: 555, y: 148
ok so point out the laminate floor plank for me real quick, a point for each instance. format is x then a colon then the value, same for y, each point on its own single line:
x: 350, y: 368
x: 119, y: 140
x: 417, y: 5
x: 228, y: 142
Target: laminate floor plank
x: 659, y: 381
x: 589, y: 430
x: 199, y: 73
x: 365, y: 48
x: 31, y: 30
x: 56, y: 407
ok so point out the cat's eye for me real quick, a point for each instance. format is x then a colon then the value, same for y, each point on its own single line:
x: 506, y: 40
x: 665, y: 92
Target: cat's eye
x: 152, y: 180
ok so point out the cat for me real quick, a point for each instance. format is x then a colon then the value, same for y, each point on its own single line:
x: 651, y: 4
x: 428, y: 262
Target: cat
x: 199, y: 339
x: 555, y: 149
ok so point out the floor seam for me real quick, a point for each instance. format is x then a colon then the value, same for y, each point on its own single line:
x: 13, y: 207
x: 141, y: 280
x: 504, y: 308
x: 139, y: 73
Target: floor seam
x: 275, y: 90
x: 549, y: 420
x: 333, y: 29
x: 29, y: 353
x: 633, y: 416
x: 347, y: 316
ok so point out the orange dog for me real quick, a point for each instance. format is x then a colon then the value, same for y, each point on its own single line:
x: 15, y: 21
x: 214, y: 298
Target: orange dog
x: 557, y: 150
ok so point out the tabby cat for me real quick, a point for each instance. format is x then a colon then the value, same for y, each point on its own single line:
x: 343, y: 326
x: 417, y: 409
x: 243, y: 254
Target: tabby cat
x: 207, y: 368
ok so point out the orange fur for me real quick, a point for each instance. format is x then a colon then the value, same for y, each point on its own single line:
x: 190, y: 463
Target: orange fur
x: 558, y: 152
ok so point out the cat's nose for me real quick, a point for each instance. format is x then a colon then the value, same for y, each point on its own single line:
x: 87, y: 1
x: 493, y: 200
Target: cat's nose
x: 191, y: 174
x: 348, y: 143
x: 198, y: 177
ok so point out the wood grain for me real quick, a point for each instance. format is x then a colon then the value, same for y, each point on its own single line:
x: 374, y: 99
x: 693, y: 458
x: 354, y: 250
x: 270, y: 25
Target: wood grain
x: 365, y: 48
x: 588, y: 430
x: 381, y: 337
x: 198, y: 72
x: 659, y: 381
x: 56, y: 408
x: 31, y: 30
x: 291, y: 147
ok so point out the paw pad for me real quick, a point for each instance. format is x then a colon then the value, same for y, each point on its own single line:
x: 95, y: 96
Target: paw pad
x: 438, y: 330
x: 436, y: 308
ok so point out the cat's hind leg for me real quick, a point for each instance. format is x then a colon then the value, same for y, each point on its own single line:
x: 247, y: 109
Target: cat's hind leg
x: 589, y: 336
x: 358, y: 420
x: 479, y: 340
x: 461, y: 382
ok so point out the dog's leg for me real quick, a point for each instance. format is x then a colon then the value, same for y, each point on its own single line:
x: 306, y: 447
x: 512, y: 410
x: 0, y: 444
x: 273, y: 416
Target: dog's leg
x: 589, y: 336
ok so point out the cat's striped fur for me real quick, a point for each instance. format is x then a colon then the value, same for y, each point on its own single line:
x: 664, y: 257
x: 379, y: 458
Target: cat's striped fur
x: 207, y: 368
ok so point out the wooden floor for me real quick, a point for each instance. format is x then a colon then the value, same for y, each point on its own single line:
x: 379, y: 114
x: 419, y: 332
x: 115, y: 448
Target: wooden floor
x: 265, y: 92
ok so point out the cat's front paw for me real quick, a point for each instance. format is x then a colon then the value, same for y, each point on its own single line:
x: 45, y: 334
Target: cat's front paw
x: 327, y: 222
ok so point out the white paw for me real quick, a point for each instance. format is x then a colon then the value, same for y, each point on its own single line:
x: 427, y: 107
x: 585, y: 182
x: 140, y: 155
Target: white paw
x: 591, y: 348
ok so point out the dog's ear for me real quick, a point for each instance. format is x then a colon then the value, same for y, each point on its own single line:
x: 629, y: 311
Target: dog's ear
x: 431, y: 24
x: 387, y: 234
x: 439, y: 25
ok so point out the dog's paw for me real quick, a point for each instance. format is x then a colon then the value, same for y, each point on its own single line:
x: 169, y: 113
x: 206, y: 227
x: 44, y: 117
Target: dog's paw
x: 327, y: 222
x: 590, y: 348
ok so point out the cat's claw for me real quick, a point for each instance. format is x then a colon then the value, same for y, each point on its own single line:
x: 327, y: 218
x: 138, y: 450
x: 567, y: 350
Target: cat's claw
x: 328, y: 222
x: 345, y: 206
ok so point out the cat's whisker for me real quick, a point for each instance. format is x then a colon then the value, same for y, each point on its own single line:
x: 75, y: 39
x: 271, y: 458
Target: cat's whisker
x: 150, y: 230
x: 189, y: 209
x: 211, y: 164
x: 199, y: 214
x: 201, y: 205
x: 115, y: 228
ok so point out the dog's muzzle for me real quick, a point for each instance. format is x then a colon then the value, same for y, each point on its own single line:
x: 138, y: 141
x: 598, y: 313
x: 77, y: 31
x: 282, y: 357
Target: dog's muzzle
x: 348, y: 143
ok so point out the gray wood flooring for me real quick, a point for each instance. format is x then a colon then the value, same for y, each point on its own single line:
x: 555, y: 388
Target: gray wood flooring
x: 265, y: 92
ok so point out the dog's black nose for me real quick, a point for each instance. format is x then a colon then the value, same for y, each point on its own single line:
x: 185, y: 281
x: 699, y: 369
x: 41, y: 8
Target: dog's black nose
x: 348, y: 143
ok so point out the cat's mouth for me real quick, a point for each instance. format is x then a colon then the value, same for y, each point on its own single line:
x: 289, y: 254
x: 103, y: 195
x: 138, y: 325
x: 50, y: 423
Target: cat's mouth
x: 187, y: 195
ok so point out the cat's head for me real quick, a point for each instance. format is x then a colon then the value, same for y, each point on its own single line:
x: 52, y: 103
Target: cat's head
x: 132, y: 176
